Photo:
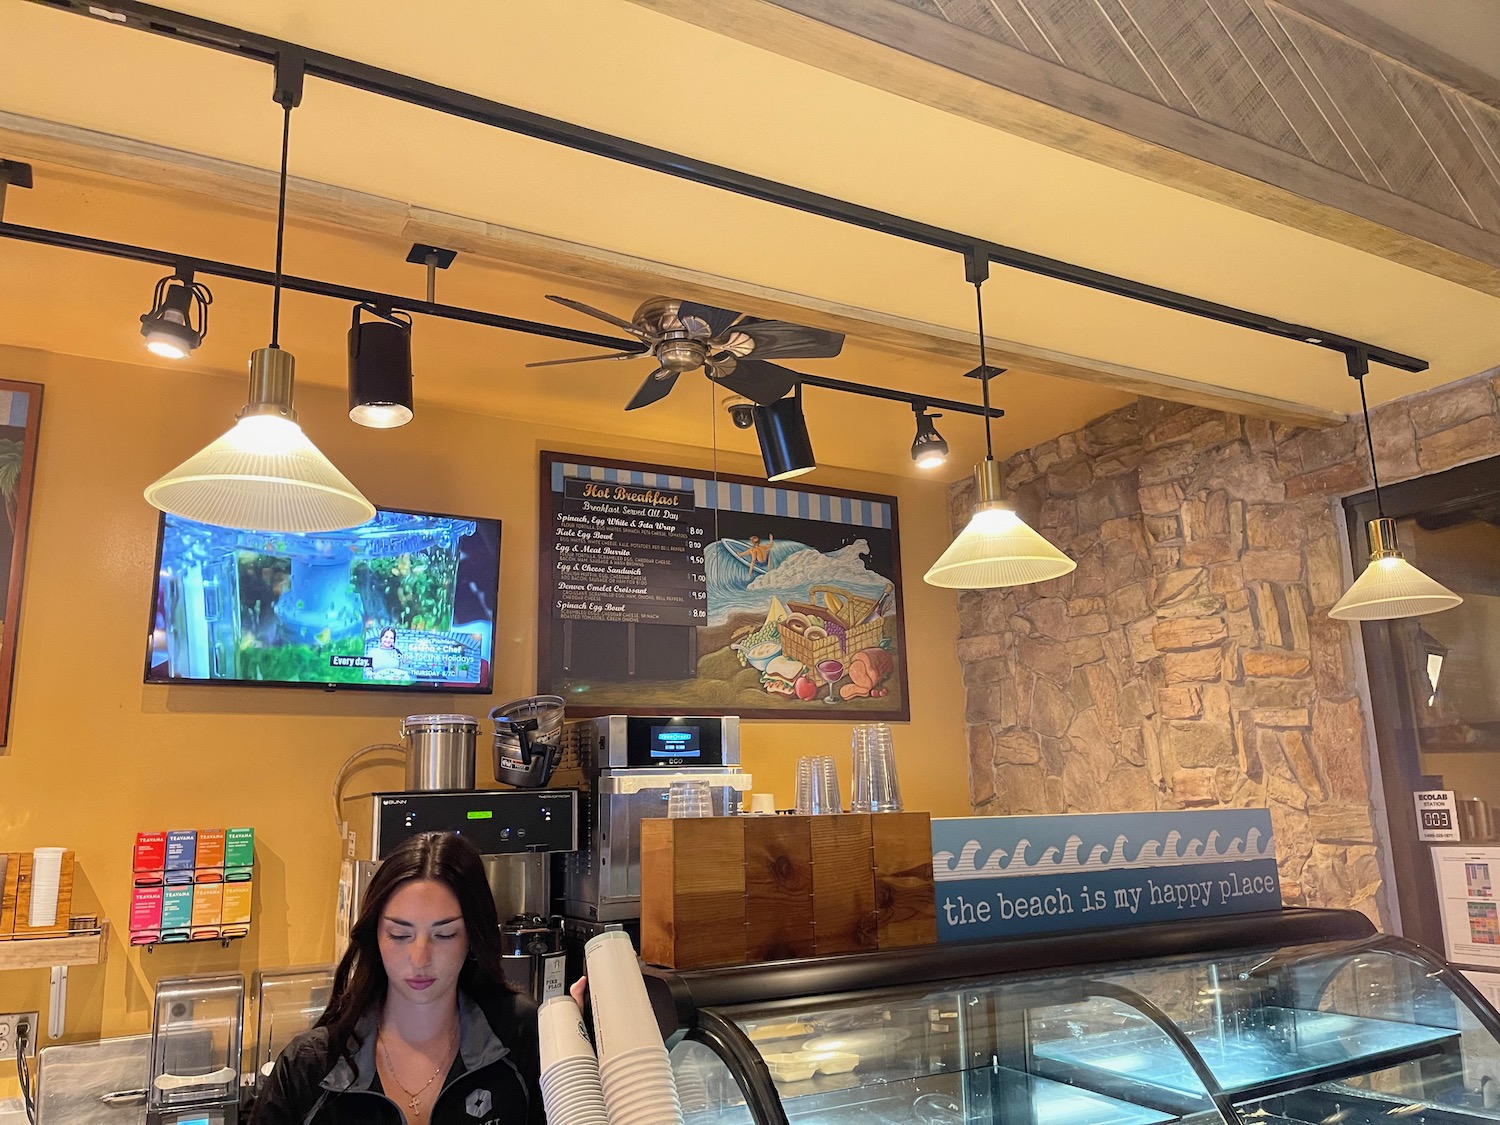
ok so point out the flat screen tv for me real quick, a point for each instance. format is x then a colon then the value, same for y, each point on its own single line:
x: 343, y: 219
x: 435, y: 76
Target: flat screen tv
x: 404, y: 602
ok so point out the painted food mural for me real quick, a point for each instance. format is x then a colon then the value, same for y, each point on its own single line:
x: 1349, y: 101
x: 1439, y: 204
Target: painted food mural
x: 672, y: 592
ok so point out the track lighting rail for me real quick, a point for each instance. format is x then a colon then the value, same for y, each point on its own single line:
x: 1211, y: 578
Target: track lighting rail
x: 235, y: 272
x: 443, y: 99
x: 393, y: 302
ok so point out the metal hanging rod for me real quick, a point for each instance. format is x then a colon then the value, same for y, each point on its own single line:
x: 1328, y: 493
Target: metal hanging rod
x: 395, y: 302
x: 443, y: 99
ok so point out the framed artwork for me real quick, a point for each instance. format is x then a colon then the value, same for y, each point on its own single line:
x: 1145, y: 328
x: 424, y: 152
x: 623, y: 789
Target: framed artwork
x: 20, y: 416
x: 670, y: 591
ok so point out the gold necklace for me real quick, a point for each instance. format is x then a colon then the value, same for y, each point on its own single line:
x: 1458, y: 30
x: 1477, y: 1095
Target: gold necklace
x: 414, y: 1099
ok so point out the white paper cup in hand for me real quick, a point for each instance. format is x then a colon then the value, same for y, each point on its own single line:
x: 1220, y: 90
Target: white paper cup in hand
x: 623, y: 1019
x: 562, y: 1033
x: 46, y: 877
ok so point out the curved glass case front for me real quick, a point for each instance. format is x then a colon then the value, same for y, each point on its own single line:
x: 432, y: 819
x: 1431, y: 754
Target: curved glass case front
x: 1338, y: 1033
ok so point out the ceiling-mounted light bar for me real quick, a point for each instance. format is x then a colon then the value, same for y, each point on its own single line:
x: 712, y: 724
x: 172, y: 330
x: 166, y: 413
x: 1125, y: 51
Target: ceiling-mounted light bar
x: 395, y: 302
x: 457, y: 103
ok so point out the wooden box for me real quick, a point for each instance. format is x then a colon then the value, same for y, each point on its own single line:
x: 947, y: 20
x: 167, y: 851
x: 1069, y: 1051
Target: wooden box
x: 778, y: 887
x: 905, y: 904
x: 693, y: 891
x: 843, y: 863
x: 8, y: 888
x: 23, y: 927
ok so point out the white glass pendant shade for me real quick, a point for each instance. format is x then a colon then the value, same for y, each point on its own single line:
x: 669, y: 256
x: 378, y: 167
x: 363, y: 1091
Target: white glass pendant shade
x: 997, y: 548
x: 264, y: 473
x: 1390, y: 587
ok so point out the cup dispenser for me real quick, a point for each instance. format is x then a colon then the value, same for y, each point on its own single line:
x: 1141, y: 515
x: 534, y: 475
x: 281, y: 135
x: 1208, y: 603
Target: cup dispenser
x: 288, y: 1001
x: 197, y: 1034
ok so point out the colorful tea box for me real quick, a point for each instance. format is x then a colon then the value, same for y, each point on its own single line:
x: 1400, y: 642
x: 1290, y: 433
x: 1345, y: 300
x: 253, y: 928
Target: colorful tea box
x: 150, y: 858
x: 182, y: 850
x: 234, y: 913
x: 145, y: 915
x: 177, y: 913
x: 239, y: 854
x: 208, y: 866
x: 208, y: 903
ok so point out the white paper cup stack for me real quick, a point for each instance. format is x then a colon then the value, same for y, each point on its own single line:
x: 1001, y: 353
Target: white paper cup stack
x: 570, y: 1073
x: 633, y: 1065
x: 46, y: 875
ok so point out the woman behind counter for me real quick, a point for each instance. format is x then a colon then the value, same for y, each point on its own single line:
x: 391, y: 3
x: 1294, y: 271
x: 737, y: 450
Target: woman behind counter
x: 422, y: 1027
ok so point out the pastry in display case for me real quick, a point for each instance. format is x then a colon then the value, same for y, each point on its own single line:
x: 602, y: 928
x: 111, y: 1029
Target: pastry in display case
x: 1294, y: 1016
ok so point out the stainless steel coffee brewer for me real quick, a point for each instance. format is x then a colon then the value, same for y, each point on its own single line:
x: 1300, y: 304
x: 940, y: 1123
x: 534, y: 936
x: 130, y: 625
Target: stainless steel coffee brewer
x: 627, y: 763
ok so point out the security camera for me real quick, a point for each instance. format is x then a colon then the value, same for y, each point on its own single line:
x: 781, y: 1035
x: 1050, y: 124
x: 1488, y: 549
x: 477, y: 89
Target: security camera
x: 742, y: 414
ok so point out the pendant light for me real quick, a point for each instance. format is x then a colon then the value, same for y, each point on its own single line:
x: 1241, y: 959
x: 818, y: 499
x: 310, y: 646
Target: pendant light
x: 1389, y: 587
x: 997, y: 548
x: 264, y: 473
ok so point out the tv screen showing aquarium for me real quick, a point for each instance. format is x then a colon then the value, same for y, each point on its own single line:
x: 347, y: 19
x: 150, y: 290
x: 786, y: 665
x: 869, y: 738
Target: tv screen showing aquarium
x: 404, y: 602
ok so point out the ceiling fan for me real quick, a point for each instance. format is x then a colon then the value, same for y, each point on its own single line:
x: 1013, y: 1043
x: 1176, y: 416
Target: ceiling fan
x: 732, y: 350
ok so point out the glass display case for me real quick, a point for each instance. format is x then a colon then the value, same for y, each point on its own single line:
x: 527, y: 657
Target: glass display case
x: 1299, y: 1016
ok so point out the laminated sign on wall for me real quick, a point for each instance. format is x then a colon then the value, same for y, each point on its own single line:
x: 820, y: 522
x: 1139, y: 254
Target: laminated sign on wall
x: 1004, y: 875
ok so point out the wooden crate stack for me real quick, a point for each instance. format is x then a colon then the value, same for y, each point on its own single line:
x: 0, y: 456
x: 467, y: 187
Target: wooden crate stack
x: 742, y: 890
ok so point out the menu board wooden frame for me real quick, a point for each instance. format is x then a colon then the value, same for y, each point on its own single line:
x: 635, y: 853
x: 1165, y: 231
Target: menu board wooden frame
x: 781, y: 634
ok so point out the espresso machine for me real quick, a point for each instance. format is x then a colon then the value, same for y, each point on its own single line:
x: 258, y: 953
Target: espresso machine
x: 626, y: 764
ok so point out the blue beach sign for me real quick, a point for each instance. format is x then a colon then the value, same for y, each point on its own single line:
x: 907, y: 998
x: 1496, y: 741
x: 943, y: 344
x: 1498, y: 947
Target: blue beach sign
x: 999, y: 876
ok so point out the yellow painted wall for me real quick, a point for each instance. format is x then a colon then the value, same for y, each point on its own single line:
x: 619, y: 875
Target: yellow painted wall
x: 95, y: 756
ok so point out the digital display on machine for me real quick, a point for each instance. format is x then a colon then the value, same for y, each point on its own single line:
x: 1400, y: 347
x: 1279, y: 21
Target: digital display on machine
x: 404, y: 602
x: 675, y: 742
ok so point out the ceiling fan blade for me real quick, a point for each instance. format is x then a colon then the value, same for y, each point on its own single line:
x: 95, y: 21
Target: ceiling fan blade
x: 654, y: 389
x: 589, y: 310
x: 759, y: 381
x: 717, y: 319
x: 584, y: 359
x: 779, y: 339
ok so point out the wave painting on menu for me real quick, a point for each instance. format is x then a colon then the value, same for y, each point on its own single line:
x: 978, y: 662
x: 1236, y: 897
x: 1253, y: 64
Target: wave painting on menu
x: 688, y: 594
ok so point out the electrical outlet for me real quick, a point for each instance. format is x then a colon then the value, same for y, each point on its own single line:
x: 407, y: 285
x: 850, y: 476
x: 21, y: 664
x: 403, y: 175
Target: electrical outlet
x: 10, y: 1025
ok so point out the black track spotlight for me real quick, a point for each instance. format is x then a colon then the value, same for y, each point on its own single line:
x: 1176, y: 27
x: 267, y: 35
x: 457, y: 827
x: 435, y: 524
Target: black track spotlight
x: 928, y: 448
x: 380, y: 368
x: 178, y: 320
x: 784, y: 445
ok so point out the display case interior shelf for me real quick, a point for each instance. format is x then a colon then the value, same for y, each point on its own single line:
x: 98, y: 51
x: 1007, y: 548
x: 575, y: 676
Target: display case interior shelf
x: 84, y: 947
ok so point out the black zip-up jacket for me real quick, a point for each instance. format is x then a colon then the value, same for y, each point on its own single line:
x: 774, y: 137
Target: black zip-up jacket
x: 493, y: 1080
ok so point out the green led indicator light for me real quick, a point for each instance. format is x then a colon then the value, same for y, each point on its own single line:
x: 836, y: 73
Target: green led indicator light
x: 481, y: 814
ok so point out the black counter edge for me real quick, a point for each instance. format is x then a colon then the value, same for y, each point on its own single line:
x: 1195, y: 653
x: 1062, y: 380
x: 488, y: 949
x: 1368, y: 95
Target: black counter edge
x: 676, y: 997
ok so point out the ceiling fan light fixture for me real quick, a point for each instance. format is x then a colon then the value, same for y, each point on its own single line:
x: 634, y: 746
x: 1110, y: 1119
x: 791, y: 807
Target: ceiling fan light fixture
x: 928, y: 448
x: 1390, y: 587
x: 380, y: 394
x: 997, y: 548
x: 785, y: 446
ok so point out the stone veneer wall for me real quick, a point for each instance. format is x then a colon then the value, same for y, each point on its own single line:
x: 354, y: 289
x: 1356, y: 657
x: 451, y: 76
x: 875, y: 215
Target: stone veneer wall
x: 1189, y: 661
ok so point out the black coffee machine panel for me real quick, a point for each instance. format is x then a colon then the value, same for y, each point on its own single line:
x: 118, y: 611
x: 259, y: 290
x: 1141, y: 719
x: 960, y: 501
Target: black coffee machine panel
x: 498, y: 821
x: 665, y: 743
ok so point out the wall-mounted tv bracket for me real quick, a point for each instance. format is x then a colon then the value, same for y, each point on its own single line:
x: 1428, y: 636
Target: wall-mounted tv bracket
x: 484, y: 111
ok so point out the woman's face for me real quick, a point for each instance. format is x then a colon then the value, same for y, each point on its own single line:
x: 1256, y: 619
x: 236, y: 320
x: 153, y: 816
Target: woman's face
x: 423, y: 942
x: 388, y: 639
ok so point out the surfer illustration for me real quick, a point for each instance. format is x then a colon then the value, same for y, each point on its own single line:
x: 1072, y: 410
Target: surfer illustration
x: 755, y: 554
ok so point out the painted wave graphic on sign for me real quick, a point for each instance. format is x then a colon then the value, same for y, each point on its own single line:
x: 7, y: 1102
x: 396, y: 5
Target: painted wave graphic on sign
x: 1172, y: 851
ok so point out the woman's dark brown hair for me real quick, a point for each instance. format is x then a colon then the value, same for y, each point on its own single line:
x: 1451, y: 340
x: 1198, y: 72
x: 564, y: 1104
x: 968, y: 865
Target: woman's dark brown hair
x: 359, y: 983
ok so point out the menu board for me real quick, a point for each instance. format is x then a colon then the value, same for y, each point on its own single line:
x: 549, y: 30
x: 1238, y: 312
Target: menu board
x: 667, y: 591
x: 629, y: 554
